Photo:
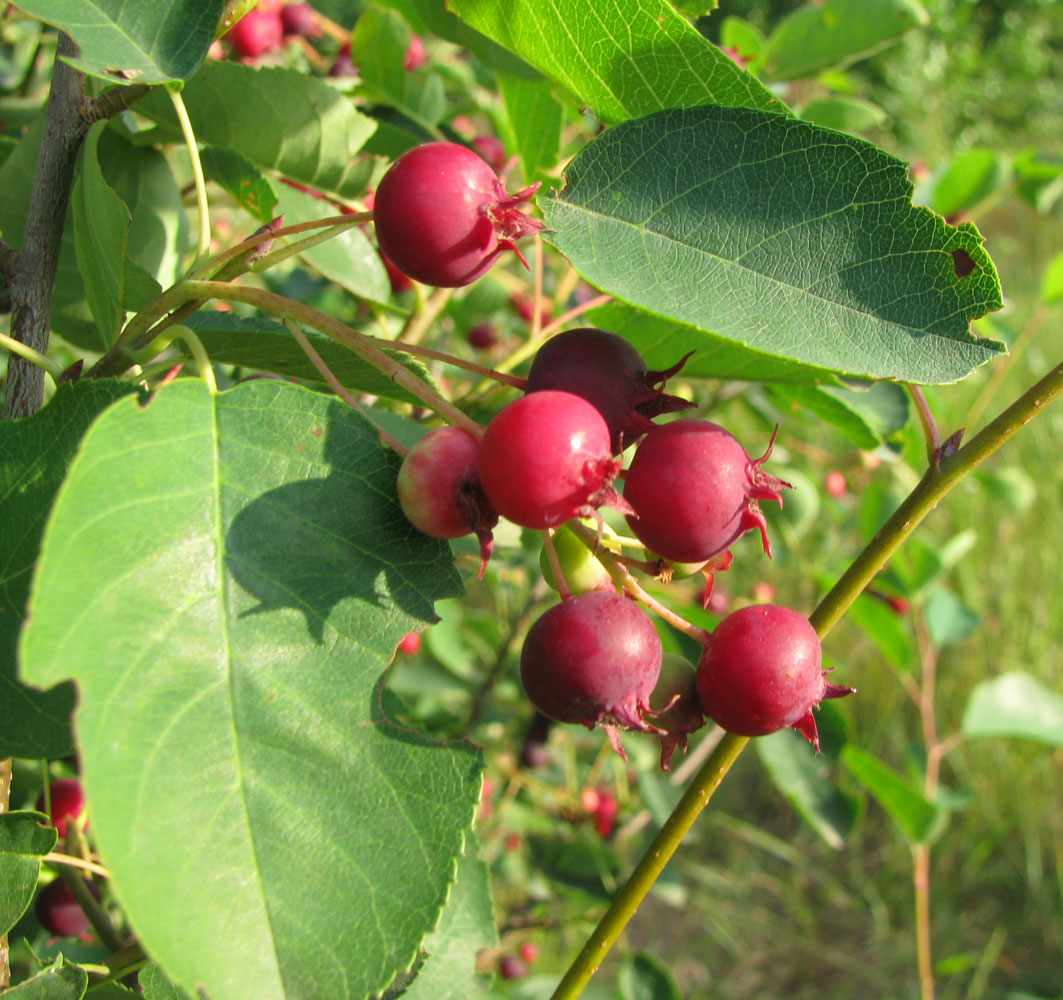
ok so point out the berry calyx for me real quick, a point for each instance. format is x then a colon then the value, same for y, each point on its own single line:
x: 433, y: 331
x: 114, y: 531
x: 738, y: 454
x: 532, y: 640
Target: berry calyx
x: 443, y: 216
x: 610, y: 374
x: 593, y: 660
x: 695, y: 491
x: 439, y: 489
x: 68, y: 803
x: 762, y: 672
x: 546, y: 458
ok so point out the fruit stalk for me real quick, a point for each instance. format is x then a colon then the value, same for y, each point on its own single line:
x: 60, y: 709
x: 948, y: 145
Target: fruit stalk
x: 923, y: 499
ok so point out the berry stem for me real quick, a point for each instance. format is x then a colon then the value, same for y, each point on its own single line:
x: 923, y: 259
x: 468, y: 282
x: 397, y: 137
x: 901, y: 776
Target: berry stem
x: 555, y: 564
x: 926, y: 419
x: 173, y: 91
x: 653, y: 862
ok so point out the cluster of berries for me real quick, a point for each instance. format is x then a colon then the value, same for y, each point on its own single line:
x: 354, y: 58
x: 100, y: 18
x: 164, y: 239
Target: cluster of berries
x: 689, y: 492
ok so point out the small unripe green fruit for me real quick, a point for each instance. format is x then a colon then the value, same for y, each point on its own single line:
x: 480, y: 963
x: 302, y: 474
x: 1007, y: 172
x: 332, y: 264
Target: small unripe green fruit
x: 582, y: 570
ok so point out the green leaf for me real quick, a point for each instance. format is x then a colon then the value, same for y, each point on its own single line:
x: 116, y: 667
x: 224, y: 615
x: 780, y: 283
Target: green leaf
x: 466, y: 927
x: 642, y: 977
x: 662, y: 342
x: 968, y: 180
x: 1038, y: 178
x: 745, y: 38
x: 948, y: 619
x: 830, y: 35
x: 535, y: 119
x: 1015, y: 704
x: 793, y: 240
x: 114, y: 284
x: 275, y: 117
x: 920, y: 820
x: 846, y: 114
x: 226, y: 578
x: 1052, y: 282
x: 622, y: 58
x: 264, y: 345
x: 864, y: 415
x: 243, y: 180
x: 134, y: 42
x: 1012, y: 486
x: 886, y: 629
x: 60, y: 981
x: 23, y: 842
x: 801, y: 775
x: 156, y: 986
x: 35, y: 453
x: 348, y: 258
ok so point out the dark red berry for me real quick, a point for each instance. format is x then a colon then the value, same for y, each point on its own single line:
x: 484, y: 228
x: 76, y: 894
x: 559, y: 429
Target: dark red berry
x: 546, y: 458
x: 483, y: 336
x: 259, y: 31
x: 299, y: 19
x: 762, y: 671
x: 59, y: 913
x: 343, y: 64
x: 439, y: 489
x: 524, y: 306
x: 676, y: 709
x: 68, y: 802
x: 604, y: 815
x: 443, y: 216
x: 695, y: 491
x: 593, y: 660
x: 610, y: 374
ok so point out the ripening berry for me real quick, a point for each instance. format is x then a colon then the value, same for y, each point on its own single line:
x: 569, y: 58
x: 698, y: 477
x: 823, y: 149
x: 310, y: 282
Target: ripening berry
x: 68, y: 802
x: 762, y: 671
x: 443, y: 216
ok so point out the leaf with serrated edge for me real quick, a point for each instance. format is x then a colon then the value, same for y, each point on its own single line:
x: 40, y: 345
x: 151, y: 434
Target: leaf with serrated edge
x: 134, y: 42
x: 23, y: 842
x: 622, y: 58
x: 791, y: 239
x: 226, y: 579
x: 35, y: 453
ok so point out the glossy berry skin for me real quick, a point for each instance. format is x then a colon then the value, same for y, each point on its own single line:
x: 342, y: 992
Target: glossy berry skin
x: 593, y: 660
x: 68, y: 802
x: 546, y: 458
x: 439, y: 488
x: 259, y: 31
x: 443, y: 216
x: 59, y: 913
x: 762, y: 672
x: 610, y: 374
x: 695, y: 491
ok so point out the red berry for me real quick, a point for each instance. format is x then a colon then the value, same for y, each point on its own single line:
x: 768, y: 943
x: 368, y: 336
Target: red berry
x: 834, y: 484
x: 610, y: 374
x: 762, y: 671
x: 399, y: 281
x: 546, y: 458
x: 763, y: 592
x: 593, y: 660
x: 343, y: 65
x: 68, y: 802
x: 415, y: 54
x: 695, y: 491
x: 483, y: 335
x: 676, y: 709
x: 256, y: 33
x: 443, y: 216
x: 410, y: 643
x: 491, y: 149
x: 59, y: 913
x: 439, y: 489
x: 529, y: 952
x: 299, y: 19
x: 899, y: 604
x: 512, y: 967
x: 605, y: 815
x: 524, y: 306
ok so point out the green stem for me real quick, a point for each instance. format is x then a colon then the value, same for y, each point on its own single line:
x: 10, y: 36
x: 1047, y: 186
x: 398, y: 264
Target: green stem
x: 923, y: 499
x: 53, y: 368
x: 352, y: 339
x: 203, y: 246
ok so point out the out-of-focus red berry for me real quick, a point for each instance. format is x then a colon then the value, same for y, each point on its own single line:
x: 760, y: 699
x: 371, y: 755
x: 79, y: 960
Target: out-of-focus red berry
x: 899, y: 604
x: 259, y: 31
x: 834, y: 483
x: 299, y: 19
x: 415, y: 54
x: 343, y: 64
x: 491, y: 149
x: 411, y: 643
x: 68, y: 802
x: 524, y: 307
x: 512, y: 967
x: 605, y: 814
x: 59, y: 912
x: 763, y: 592
x: 529, y: 952
x: 483, y: 335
